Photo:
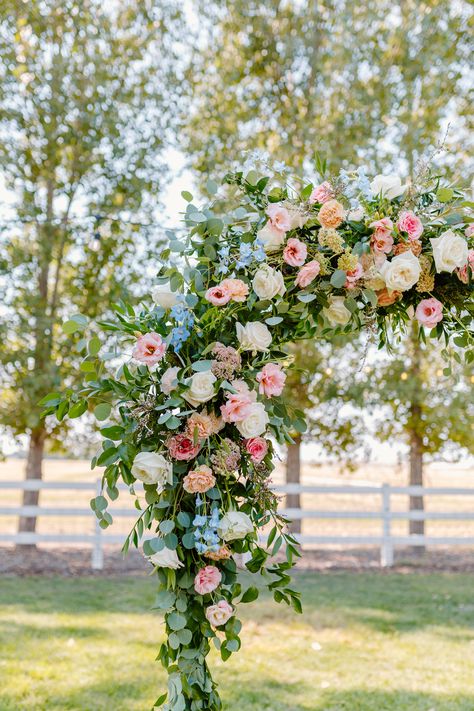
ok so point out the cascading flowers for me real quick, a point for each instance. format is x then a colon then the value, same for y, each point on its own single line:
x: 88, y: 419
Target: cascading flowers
x: 199, y: 403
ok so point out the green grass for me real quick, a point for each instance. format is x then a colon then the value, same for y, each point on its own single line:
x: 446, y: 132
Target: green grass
x: 366, y: 642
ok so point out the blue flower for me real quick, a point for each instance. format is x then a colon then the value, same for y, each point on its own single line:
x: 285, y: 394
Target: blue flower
x: 199, y: 520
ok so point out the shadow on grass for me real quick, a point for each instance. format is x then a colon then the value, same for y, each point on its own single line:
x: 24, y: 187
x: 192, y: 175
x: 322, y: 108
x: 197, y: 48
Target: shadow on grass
x: 397, y: 700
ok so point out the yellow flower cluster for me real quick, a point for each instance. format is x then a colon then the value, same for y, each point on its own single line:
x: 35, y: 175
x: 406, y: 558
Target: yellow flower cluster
x: 347, y: 261
x: 329, y: 237
x: 426, y: 280
x: 323, y: 263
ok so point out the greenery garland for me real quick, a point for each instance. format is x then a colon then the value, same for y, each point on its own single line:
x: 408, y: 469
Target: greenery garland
x: 197, y: 395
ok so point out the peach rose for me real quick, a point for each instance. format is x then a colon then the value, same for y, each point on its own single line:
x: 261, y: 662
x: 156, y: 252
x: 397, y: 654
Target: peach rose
x: 224, y: 553
x: 295, y: 252
x: 207, y: 580
x: 205, y: 424
x: 220, y: 613
x: 199, y: 480
x: 386, y: 298
x: 149, y: 349
x: 353, y: 276
x: 429, y: 312
x: 411, y: 224
x: 280, y: 218
x: 331, y: 214
x: 237, y: 289
x: 321, y: 193
x: 382, y: 240
x: 218, y: 295
x: 414, y: 245
x: 307, y: 273
x: 271, y: 379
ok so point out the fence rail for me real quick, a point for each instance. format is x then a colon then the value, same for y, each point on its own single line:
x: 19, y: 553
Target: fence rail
x: 386, y: 541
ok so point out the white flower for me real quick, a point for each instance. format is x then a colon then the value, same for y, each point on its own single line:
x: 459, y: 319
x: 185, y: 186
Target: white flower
x: 254, y: 336
x: 255, y: 423
x: 200, y: 388
x: 356, y: 214
x: 297, y: 217
x: 152, y: 468
x: 337, y: 313
x: 234, y: 525
x: 163, y: 296
x: 389, y: 185
x: 166, y: 558
x: 169, y: 380
x: 268, y: 282
x: 271, y: 238
x: 402, y: 272
x: 449, y: 251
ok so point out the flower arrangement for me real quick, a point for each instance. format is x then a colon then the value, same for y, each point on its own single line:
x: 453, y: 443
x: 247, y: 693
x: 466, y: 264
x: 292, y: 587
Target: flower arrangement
x: 198, y: 400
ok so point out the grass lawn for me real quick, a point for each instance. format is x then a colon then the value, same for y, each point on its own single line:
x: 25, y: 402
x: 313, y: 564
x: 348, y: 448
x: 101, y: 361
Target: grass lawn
x: 366, y: 642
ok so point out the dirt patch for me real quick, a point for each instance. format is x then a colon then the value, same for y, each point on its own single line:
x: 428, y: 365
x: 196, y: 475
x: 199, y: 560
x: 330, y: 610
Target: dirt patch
x: 71, y: 562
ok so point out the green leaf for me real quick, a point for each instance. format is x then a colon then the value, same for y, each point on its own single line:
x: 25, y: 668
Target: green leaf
x: 78, y: 409
x: 250, y: 595
x: 186, y: 195
x: 167, y: 526
x: 184, y: 519
x: 273, y: 320
x: 185, y: 636
x: 201, y: 366
x: 306, y: 298
x: 338, y: 279
x: 176, y: 621
x: 188, y: 541
x: 70, y: 327
x: 233, y: 645
x: 102, y: 411
x: 94, y: 346
x: 445, y: 194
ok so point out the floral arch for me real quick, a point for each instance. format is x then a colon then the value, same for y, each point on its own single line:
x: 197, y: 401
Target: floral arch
x: 199, y: 391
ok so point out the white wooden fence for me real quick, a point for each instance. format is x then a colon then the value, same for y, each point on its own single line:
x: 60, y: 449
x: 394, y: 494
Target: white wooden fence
x: 386, y: 540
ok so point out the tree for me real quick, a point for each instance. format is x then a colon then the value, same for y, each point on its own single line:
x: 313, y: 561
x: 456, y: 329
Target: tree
x: 83, y: 121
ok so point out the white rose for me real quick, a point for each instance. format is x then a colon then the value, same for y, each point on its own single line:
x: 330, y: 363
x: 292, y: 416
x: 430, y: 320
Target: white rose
x: 337, y: 313
x: 152, y: 468
x: 163, y: 296
x: 268, y: 282
x: 169, y: 380
x: 234, y: 525
x: 270, y: 238
x: 165, y: 559
x: 390, y: 186
x: 449, y: 251
x: 402, y: 272
x: 297, y: 217
x: 200, y: 388
x: 255, y: 423
x: 356, y: 214
x: 254, y: 336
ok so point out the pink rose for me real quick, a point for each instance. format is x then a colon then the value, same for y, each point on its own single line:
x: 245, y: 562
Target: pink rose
x: 321, y: 193
x: 218, y: 614
x: 382, y: 240
x: 271, y: 379
x: 182, y: 447
x: 236, y: 288
x: 149, y: 349
x: 353, y: 276
x: 218, y: 295
x: 295, y: 252
x: 469, y: 231
x: 207, y: 580
x: 307, y: 273
x: 411, y: 224
x: 462, y: 273
x: 237, y: 407
x: 280, y: 218
x: 257, y: 447
x: 199, y: 480
x: 429, y: 312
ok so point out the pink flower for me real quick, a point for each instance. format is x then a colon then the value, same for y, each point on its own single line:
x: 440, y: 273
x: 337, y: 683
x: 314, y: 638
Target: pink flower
x: 307, y: 273
x: 382, y: 240
x: 271, y: 379
x: 411, y: 224
x: 469, y: 231
x: 353, y: 276
x: 295, y: 252
x: 257, y: 447
x: 149, y: 349
x: 182, y: 447
x: 218, y: 614
x: 429, y: 312
x: 236, y: 288
x: 218, y: 295
x: 237, y: 407
x: 462, y: 273
x: 321, y: 193
x: 280, y: 218
x: 207, y: 580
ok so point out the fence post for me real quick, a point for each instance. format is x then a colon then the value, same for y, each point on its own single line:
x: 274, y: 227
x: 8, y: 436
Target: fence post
x: 97, y: 562
x: 386, y: 552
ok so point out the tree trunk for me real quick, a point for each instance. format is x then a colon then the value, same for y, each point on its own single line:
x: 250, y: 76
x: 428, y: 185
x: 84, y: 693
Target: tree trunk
x: 293, y: 476
x: 416, y: 479
x: 416, y: 442
x: 34, y: 470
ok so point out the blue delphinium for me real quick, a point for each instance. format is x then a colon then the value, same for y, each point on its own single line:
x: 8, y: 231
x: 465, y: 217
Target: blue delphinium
x: 184, y: 318
x: 205, y: 534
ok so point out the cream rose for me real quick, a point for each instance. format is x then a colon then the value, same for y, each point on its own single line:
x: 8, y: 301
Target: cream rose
x: 200, y: 388
x: 297, y: 217
x: 152, y: 468
x: 234, y: 525
x: 169, y: 380
x: 337, y: 313
x: 163, y: 296
x: 402, y: 272
x: 390, y: 186
x: 450, y: 251
x: 254, y: 336
x: 271, y: 238
x: 166, y: 559
x: 255, y: 423
x: 268, y: 282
